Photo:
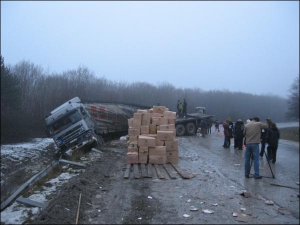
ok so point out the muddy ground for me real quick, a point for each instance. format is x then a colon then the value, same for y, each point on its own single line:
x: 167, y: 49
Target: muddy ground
x: 108, y: 198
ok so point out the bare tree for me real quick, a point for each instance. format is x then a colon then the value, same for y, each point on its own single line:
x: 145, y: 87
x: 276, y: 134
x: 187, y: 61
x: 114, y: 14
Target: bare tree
x: 293, y: 101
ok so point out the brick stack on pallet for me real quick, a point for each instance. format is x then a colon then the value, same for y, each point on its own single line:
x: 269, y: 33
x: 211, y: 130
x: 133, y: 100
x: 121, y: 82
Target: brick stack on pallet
x: 152, y: 137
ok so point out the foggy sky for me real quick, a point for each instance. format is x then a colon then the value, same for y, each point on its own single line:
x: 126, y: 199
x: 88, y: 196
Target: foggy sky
x: 251, y: 47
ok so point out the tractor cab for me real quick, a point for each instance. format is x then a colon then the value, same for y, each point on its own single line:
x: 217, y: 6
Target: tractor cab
x: 200, y: 110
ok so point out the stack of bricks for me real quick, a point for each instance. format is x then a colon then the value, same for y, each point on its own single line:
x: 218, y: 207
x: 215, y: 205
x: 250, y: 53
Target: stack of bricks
x: 152, y: 137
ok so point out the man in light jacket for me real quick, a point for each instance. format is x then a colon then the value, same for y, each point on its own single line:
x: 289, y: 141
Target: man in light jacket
x: 252, y: 133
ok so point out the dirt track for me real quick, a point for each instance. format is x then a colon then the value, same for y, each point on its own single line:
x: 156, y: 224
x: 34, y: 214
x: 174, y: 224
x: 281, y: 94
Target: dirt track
x: 109, y: 198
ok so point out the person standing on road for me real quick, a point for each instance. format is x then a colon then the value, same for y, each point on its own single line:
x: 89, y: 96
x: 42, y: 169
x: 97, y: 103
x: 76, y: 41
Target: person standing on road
x: 184, y: 108
x: 230, y: 131
x: 203, y: 126
x: 263, y: 137
x: 217, y: 126
x: 226, y: 133
x: 272, y: 139
x: 180, y: 106
x: 252, y: 133
x: 238, y: 134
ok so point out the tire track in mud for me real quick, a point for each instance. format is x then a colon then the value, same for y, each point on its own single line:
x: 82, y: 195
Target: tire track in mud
x: 142, y: 209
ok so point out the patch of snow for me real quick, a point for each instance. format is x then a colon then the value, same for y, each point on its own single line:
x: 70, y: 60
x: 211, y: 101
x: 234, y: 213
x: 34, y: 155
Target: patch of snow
x: 19, y: 151
x: 17, y: 213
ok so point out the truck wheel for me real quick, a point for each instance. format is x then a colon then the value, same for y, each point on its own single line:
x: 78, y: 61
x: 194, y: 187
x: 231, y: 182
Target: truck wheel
x: 190, y: 128
x: 180, y: 130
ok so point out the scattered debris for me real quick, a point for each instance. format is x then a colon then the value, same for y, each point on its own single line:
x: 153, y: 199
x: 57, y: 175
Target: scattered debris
x: 193, y: 208
x: 209, y: 211
x: 139, y: 218
x: 186, y: 215
x: 242, y: 218
x: 235, y: 214
x: 96, y: 206
x: 284, y: 211
x: 189, y: 200
x: 200, y: 197
x: 215, y: 204
x: 243, y: 209
x: 246, y: 194
x: 269, y: 202
x: 202, y: 203
x: 149, y: 197
x: 67, y: 209
x: 237, y: 164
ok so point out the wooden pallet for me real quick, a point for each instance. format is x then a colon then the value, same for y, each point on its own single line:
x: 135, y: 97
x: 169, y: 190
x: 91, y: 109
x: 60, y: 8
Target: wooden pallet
x: 161, y: 171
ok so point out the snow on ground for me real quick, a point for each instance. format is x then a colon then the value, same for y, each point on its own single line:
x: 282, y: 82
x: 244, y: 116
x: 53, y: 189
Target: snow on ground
x: 19, y: 151
x: 17, y: 213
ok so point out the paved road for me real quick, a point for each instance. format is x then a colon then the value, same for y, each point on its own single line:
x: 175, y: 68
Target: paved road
x: 225, y: 167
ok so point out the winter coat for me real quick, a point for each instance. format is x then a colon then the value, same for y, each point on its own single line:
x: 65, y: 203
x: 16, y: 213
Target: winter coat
x: 272, y: 137
x: 238, y: 130
x: 226, y: 129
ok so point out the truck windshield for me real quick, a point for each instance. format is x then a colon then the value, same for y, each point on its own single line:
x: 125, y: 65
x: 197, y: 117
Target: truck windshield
x: 64, y: 122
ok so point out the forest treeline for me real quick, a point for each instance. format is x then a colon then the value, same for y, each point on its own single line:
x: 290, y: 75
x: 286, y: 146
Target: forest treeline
x: 29, y: 93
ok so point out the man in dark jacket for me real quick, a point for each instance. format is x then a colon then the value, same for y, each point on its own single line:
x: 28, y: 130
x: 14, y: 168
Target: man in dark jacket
x: 238, y: 135
x: 227, y: 133
x: 203, y: 126
x: 263, y: 137
x: 230, y: 127
x: 272, y: 139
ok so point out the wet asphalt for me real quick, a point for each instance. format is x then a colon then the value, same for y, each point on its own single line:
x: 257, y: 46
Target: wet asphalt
x: 224, y: 168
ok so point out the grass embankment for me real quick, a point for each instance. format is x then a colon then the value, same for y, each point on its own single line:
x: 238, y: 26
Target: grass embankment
x: 290, y: 133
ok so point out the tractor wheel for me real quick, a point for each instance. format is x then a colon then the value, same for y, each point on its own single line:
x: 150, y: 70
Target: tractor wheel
x: 180, y: 130
x: 190, y: 128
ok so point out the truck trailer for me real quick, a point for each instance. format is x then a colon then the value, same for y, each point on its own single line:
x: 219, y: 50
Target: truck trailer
x: 75, y: 124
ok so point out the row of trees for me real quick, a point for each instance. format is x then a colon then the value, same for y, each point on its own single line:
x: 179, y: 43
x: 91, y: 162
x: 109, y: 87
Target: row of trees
x: 29, y: 93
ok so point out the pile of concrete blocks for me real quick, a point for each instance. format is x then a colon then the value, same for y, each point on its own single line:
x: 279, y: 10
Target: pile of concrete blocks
x: 152, y: 137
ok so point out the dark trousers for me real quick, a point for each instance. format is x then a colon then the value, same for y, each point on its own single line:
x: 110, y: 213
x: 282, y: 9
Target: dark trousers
x: 272, y: 151
x: 238, y: 143
x: 226, y: 142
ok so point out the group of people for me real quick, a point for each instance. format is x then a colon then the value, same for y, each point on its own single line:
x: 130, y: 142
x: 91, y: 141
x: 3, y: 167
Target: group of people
x: 253, y: 133
x: 181, y: 108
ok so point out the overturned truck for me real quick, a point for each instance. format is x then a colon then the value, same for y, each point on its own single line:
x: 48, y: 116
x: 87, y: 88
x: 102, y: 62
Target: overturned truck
x: 75, y: 124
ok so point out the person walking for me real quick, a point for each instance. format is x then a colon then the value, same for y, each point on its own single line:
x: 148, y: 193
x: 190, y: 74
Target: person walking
x: 238, y: 134
x: 203, y: 126
x: 217, y: 126
x: 226, y: 133
x: 252, y: 133
x: 180, y: 107
x: 184, y: 108
x: 263, y: 137
x: 230, y: 131
x: 272, y: 139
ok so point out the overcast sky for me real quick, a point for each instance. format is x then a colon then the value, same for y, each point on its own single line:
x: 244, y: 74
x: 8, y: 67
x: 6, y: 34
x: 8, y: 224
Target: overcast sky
x: 251, y: 47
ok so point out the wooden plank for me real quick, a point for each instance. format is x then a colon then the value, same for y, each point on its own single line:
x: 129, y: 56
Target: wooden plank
x: 159, y: 172
x: 184, y: 175
x: 144, y: 171
x: 169, y: 170
x: 150, y: 170
x: 136, y: 171
x: 127, y: 171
